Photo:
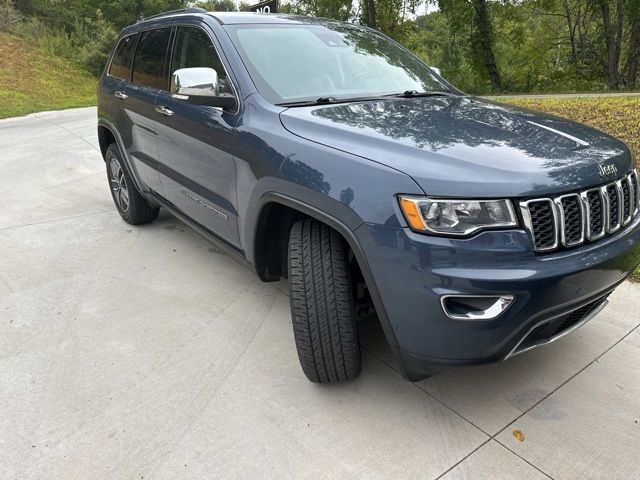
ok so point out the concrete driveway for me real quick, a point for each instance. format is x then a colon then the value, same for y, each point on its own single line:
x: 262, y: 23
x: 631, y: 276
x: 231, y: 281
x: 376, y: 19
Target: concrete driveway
x: 131, y: 353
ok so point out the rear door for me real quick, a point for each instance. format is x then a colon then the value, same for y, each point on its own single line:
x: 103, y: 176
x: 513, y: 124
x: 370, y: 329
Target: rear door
x: 195, y: 142
x: 119, y: 70
x: 138, y: 96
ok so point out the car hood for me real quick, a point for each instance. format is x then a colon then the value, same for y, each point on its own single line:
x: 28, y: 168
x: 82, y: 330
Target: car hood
x: 464, y: 146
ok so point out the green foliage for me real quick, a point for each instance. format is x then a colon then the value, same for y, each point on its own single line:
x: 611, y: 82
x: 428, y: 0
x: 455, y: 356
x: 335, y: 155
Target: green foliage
x: 515, y: 45
x: 433, y: 39
x: 125, y: 12
x: 539, y: 45
x: 63, y: 14
x: 336, y: 9
x: 218, y: 5
x: 33, y: 80
x: 88, y: 44
x: 9, y: 15
x: 93, y: 39
x: 83, y: 31
x: 223, y: 5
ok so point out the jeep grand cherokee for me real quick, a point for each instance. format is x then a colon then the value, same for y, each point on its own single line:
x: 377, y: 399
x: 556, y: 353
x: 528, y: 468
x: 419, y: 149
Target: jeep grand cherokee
x: 325, y: 153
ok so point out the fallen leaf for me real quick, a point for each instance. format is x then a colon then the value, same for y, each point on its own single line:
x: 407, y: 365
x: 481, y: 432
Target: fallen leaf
x: 519, y: 435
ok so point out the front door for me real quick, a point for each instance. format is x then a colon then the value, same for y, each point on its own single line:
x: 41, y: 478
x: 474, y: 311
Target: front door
x: 195, y: 143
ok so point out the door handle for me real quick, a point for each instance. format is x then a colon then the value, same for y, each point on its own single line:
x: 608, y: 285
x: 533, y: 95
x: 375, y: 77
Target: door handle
x: 121, y: 95
x: 164, y: 111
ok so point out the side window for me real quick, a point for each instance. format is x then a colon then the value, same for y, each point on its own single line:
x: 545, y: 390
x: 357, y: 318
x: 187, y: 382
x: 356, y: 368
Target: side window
x: 149, y: 62
x: 121, y: 63
x: 194, y: 49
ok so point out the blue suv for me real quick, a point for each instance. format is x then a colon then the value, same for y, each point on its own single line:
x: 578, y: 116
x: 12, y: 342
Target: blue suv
x: 327, y: 154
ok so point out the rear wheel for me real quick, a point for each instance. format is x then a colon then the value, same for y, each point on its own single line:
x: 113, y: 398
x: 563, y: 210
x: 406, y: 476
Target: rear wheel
x: 322, y: 307
x: 131, y: 205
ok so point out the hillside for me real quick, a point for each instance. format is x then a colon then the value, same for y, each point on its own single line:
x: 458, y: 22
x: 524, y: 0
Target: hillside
x: 32, y: 80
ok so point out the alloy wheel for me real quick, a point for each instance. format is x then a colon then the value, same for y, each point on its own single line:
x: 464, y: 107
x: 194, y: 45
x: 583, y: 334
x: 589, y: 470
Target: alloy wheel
x: 119, y: 184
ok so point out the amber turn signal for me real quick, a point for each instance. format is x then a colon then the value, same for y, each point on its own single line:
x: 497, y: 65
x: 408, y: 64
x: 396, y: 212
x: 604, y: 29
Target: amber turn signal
x: 412, y: 214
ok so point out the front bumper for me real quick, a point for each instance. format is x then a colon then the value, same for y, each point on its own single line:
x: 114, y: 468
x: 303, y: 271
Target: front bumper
x: 412, y: 272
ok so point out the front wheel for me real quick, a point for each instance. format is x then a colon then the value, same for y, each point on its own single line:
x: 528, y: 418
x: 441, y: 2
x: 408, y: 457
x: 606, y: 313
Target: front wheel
x: 322, y: 307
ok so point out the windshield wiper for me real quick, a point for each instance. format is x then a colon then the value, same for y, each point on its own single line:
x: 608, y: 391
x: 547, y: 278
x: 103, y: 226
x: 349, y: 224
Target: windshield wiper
x: 328, y: 100
x: 304, y: 103
x: 415, y: 93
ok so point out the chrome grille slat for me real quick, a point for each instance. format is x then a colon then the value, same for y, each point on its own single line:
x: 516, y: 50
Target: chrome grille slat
x: 541, y: 211
x: 572, y: 226
x: 575, y: 218
x: 627, y: 200
x: 595, y: 215
x: 636, y: 188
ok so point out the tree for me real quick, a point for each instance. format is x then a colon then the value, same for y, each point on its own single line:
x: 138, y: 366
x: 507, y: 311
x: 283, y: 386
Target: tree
x: 484, y: 42
x: 473, y: 16
x: 633, y: 56
x: 368, y: 16
x: 336, y: 9
x: 612, y: 12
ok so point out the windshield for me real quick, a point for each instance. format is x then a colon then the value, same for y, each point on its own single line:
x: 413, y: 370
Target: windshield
x: 297, y: 63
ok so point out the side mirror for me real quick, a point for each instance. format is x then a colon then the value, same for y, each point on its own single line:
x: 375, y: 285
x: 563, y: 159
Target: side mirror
x: 200, y: 86
x: 437, y: 70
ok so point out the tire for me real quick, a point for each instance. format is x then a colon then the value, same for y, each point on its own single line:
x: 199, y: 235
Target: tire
x: 131, y: 205
x: 322, y: 309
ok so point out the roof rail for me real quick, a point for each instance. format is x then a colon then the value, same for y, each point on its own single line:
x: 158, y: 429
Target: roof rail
x: 182, y: 10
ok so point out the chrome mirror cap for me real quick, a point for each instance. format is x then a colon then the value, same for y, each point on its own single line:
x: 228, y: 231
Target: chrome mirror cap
x: 197, y: 81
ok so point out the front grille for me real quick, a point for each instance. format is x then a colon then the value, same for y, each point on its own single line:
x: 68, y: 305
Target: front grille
x: 574, y: 317
x: 572, y: 219
x: 547, y: 331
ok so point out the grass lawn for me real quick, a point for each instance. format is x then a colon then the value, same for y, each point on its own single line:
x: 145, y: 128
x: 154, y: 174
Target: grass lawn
x: 618, y: 116
x: 33, y: 81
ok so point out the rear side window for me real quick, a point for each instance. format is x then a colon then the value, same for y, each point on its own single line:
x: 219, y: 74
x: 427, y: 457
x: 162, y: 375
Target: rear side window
x: 121, y: 63
x: 149, y: 62
x: 194, y: 49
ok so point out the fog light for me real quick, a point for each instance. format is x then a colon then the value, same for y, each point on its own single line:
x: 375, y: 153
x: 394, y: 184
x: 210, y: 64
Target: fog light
x: 475, y: 307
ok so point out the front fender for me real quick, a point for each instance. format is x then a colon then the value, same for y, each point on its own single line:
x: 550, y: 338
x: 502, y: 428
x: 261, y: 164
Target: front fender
x: 330, y: 215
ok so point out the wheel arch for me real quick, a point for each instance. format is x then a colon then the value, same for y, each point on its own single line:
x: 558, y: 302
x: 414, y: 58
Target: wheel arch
x: 259, y: 252
x: 107, y: 134
x: 105, y: 138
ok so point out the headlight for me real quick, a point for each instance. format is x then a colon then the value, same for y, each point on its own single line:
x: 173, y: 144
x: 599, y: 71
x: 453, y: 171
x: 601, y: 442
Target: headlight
x: 456, y: 217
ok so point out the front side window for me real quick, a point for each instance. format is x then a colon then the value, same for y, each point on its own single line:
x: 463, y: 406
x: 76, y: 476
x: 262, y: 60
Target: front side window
x: 149, y: 62
x: 307, y: 62
x: 121, y: 63
x: 194, y: 49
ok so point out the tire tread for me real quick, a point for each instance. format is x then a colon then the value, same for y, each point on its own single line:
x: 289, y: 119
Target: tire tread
x: 321, y: 303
